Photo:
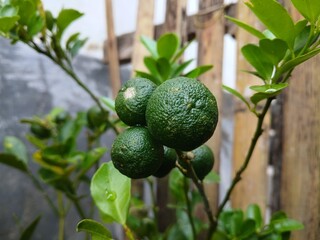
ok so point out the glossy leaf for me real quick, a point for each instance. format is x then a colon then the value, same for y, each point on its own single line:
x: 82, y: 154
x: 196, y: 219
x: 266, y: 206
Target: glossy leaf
x: 258, y: 97
x: 286, y: 225
x: 236, y: 94
x: 164, y: 68
x: 247, y: 27
x: 310, y: 9
x: 7, y: 23
x: 9, y: 11
x: 248, y: 228
x: 236, y: 222
x: 95, y: 229
x: 167, y: 45
x: 111, y: 193
x: 259, y: 60
x: 151, y: 65
x: 29, y: 230
x: 275, y: 49
x: 301, y: 39
x: 271, y: 13
x: 180, y: 68
x: 27, y: 9
x: 270, y: 88
x: 253, y: 212
x: 15, y: 146
x: 150, y: 45
x: 35, y: 25
x: 50, y: 21
x: 148, y: 76
x: 13, y: 161
x: 198, y: 71
x: 65, y: 18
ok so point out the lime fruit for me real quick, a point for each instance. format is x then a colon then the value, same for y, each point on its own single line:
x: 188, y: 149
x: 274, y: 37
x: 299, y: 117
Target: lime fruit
x: 96, y: 117
x: 169, y: 162
x: 136, y: 154
x: 40, y: 131
x: 202, y: 161
x: 182, y: 113
x: 131, y: 101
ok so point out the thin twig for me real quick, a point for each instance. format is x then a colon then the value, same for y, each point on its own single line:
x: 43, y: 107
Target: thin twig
x: 189, y: 208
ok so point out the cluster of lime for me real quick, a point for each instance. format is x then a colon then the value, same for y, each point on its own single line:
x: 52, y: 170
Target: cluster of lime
x: 181, y: 114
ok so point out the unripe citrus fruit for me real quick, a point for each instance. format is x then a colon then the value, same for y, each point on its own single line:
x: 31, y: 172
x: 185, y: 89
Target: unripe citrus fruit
x: 39, y: 131
x: 169, y: 162
x: 182, y: 113
x: 202, y: 161
x: 96, y: 117
x: 136, y: 154
x: 131, y: 101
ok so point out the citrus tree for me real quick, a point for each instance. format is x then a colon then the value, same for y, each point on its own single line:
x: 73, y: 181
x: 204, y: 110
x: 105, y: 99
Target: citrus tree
x: 166, y: 116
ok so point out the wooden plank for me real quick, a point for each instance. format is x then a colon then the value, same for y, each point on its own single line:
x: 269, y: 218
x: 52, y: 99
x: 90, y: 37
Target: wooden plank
x: 145, y: 27
x: 125, y: 41
x: 253, y: 186
x: 210, y: 34
x: 300, y: 179
x: 112, y: 50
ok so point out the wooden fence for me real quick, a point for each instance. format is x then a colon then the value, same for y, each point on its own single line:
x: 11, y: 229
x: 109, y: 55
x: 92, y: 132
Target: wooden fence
x: 290, y: 144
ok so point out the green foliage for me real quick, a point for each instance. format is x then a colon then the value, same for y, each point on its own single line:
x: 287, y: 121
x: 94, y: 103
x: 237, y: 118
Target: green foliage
x: 29, y: 230
x: 164, y: 62
x: 95, y: 229
x: 236, y: 224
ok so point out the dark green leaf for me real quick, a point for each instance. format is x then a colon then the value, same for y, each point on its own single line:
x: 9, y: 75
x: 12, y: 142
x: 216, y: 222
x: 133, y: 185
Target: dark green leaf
x: 286, y: 225
x: 180, y: 52
x: 180, y: 67
x: 271, y: 236
x: 176, y: 185
x: 94, y: 228
x: 50, y: 21
x: 310, y: 9
x: 198, y: 71
x: 219, y: 235
x: 151, y: 65
x: 148, y: 76
x: 150, y: 45
x: 71, y: 40
x: 72, y: 128
x: 29, y: 230
x: 248, y: 228
x: 76, y: 46
x: 224, y: 221
x: 236, y: 94
x: 35, y: 25
x: 164, y: 68
x: 278, y: 215
x: 253, y: 212
x: 236, y: 222
x: 65, y: 18
x: 167, y: 45
x: 258, y: 97
x: 111, y: 193
x: 92, y: 157
x: 270, y: 88
x: 13, y: 161
x: 247, y: 27
x: 176, y: 233
x: 301, y: 39
x: 271, y: 13
x: 275, y: 49
x: 15, y: 147
x: 27, y: 9
x: 259, y: 60
x: 7, y: 23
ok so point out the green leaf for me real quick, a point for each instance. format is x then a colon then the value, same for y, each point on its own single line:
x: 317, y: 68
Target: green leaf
x: 27, y: 9
x: 271, y: 13
x: 259, y: 60
x: 253, y: 212
x: 71, y: 40
x: 278, y: 215
x: 76, y: 46
x: 94, y: 228
x: 310, y: 9
x: 164, y: 68
x: 212, y: 177
x: 258, y: 97
x: 111, y: 193
x: 236, y: 222
x: 50, y: 21
x: 92, y: 157
x: 29, y: 230
x: 35, y: 141
x: 286, y: 225
x: 275, y: 49
x: 236, y: 94
x: 35, y: 25
x: 65, y: 18
x: 271, y: 236
x: 167, y: 45
x: 269, y: 88
x: 247, y: 229
x: 247, y: 27
x: 109, y: 103
x: 7, y: 23
x: 219, y: 235
x: 150, y: 45
x: 15, y: 147
x: 13, y: 161
x: 177, y: 56
x: 148, y: 76
x: 198, y: 71
x: 9, y: 11
x: 176, y: 185
x: 151, y: 65
x: 179, y: 68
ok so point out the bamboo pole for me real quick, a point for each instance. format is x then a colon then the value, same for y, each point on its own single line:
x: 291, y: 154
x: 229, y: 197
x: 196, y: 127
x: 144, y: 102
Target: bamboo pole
x: 112, y: 50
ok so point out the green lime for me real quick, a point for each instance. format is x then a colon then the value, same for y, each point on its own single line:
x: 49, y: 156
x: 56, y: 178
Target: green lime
x: 202, y: 161
x: 182, y: 113
x: 169, y: 162
x: 96, y: 117
x: 62, y: 117
x: 131, y: 101
x: 136, y: 154
x: 40, y: 131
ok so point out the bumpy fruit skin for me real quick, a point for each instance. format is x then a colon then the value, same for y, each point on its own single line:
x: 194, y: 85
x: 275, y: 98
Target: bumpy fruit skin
x: 202, y: 161
x: 182, y: 113
x: 40, y: 131
x: 136, y: 154
x: 169, y: 162
x: 131, y: 101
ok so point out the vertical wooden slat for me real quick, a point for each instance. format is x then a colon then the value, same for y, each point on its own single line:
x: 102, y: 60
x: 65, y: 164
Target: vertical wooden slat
x: 253, y: 186
x: 145, y: 27
x: 300, y: 184
x: 112, y: 49
x: 210, y: 35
